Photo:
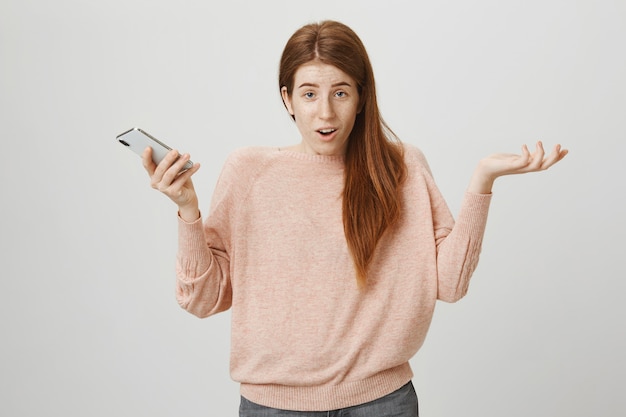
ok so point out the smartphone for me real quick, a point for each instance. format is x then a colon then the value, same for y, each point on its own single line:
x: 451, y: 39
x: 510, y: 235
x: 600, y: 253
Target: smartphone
x: 137, y: 140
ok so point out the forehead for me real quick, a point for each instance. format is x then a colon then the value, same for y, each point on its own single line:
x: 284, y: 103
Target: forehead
x: 320, y: 74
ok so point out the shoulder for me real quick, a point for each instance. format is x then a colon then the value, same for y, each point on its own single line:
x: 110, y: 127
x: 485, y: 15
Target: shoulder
x: 415, y: 158
x: 244, y: 166
x: 250, y: 157
x: 248, y: 161
x: 240, y: 171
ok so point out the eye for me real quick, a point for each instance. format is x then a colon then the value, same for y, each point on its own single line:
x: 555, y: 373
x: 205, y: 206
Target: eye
x: 309, y: 94
x: 340, y: 94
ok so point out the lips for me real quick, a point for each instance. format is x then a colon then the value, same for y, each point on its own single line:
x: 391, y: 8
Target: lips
x: 327, y: 131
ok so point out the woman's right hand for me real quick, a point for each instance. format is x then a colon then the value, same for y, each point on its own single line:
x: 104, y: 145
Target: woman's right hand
x: 166, y: 178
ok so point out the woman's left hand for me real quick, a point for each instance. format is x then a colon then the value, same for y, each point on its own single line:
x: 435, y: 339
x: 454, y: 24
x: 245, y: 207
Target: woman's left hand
x: 500, y: 164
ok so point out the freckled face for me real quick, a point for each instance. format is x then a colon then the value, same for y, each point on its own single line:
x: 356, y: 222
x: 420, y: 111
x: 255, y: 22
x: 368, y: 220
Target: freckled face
x: 324, y: 102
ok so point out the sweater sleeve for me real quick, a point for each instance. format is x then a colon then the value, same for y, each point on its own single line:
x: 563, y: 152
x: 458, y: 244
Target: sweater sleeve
x: 458, y: 248
x: 458, y: 243
x: 203, y: 286
x: 202, y: 272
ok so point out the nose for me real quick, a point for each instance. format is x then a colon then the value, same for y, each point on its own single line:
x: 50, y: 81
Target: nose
x: 326, y: 109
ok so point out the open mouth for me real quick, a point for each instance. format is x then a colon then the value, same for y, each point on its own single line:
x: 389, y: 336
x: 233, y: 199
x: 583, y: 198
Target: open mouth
x: 326, y: 132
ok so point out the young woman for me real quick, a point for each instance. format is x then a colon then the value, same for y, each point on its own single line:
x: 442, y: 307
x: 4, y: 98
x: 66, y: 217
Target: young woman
x: 332, y: 252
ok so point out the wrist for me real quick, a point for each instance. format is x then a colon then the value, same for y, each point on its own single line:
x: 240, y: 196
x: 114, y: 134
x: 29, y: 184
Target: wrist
x: 481, y: 182
x: 189, y: 213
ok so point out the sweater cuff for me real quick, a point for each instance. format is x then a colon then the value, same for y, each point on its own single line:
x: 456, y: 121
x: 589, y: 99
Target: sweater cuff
x: 472, y: 217
x: 193, y: 252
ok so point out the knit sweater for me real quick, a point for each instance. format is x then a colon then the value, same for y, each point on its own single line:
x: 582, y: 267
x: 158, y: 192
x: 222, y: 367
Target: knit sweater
x: 272, y: 248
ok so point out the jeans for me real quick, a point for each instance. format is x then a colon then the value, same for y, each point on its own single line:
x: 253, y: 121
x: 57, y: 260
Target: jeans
x: 400, y: 403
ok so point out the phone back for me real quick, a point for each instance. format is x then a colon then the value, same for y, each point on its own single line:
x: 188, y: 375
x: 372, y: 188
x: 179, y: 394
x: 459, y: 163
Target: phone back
x: 137, y: 140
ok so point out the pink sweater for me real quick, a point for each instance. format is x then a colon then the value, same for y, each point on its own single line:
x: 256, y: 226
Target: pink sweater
x: 304, y: 336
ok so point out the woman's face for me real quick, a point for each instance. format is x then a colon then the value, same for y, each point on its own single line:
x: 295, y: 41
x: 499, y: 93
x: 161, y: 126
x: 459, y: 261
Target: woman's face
x: 324, y: 102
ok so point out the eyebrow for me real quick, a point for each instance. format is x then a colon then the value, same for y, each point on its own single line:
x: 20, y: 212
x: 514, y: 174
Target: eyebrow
x: 339, y: 84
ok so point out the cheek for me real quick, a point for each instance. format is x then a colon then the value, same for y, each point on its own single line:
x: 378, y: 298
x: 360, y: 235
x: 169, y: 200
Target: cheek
x: 301, y: 111
x: 350, y: 114
x: 301, y: 118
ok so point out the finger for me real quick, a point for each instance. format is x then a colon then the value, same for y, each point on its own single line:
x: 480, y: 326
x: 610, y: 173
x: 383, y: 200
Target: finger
x: 555, y: 156
x: 525, y: 154
x: 525, y: 158
x: 157, y: 178
x: 556, y: 151
x: 175, y: 168
x: 165, y: 164
x: 185, y: 176
x: 148, y: 163
x: 176, y: 177
x: 537, y: 157
x: 182, y: 187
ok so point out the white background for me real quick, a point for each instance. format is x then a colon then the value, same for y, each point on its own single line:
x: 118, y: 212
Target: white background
x: 88, y: 320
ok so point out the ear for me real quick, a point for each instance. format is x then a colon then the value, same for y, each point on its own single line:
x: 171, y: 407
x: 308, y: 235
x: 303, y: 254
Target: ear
x: 286, y: 99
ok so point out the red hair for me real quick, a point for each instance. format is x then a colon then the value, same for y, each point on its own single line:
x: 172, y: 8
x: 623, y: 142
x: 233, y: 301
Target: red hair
x: 374, y: 161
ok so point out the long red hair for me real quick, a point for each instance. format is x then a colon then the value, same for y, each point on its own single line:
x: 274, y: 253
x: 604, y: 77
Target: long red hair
x: 374, y: 161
